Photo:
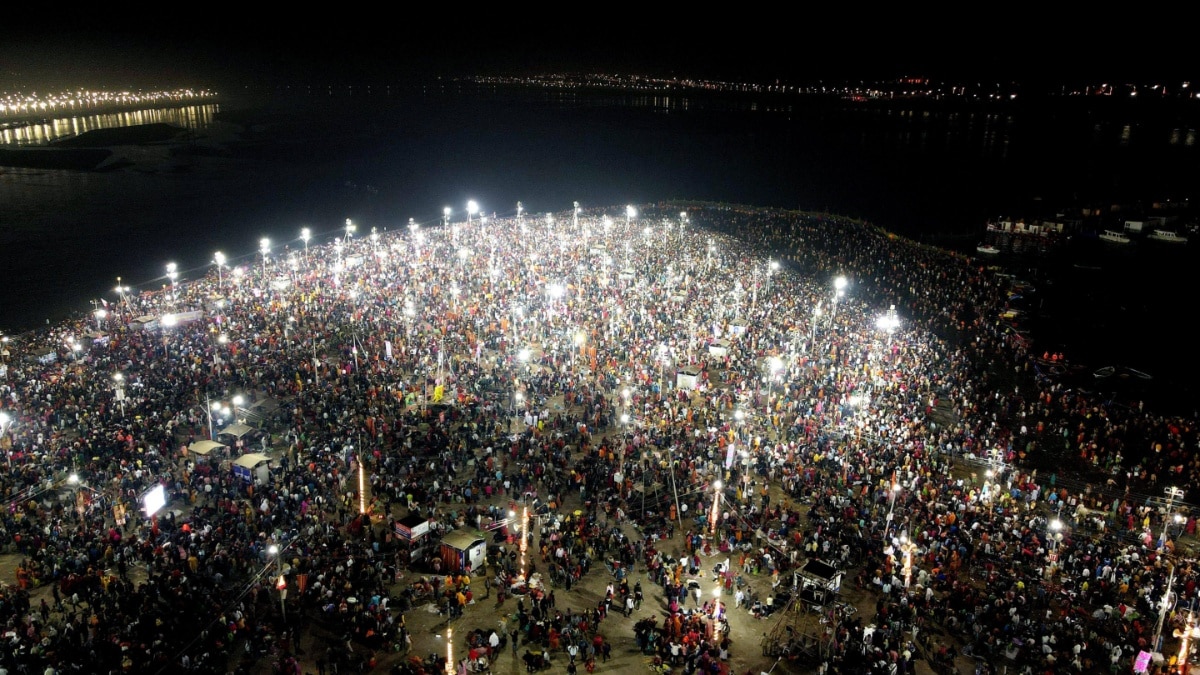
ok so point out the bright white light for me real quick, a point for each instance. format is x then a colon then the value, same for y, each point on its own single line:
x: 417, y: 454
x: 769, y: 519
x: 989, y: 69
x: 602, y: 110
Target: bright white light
x: 153, y: 500
x: 472, y: 207
x: 305, y: 234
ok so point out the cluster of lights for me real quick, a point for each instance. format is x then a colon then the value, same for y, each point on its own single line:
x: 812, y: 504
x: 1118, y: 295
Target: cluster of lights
x: 20, y: 104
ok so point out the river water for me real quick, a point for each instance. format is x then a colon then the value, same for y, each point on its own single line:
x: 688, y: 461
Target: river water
x: 383, y: 156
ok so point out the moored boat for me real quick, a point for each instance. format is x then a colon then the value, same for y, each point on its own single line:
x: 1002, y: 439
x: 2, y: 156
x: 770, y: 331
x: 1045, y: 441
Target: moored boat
x: 1168, y: 236
x: 1115, y: 237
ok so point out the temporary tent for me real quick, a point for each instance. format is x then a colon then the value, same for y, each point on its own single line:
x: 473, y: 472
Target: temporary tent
x: 236, y: 430
x: 202, y: 448
x: 252, y: 467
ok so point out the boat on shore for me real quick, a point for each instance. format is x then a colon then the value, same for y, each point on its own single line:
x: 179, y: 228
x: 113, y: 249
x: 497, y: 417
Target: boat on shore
x: 1115, y: 237
x: 1167, y: 236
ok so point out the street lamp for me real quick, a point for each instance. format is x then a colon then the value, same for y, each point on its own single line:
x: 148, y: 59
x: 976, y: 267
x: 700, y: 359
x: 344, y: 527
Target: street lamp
x: 775, y: 364
x: 575, y: 216
x: 630, y: 214
x: 445, y: 216
x: 119, y: 388
x: 5, y: 421
x: 839, y: 289
x: 580, y: 338
x: 1055, y: 537
x: 520, y: 212
x: 907, y: 547
x: 715, y: 516
x: 888, y: 323
x: 305, y: 235
x: 219, y: 261
x: 280, y: 582
x: 663, y: 350
x: 172, y: 274
x: 350, y: 228
x: 264, y: 247
x: 472, y: 209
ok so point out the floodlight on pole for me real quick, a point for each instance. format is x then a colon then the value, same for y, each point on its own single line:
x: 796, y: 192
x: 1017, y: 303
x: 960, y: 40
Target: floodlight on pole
x: 219, y: 261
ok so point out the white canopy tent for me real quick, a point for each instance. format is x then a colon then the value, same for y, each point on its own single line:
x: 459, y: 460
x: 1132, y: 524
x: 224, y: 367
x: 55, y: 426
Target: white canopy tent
x: 202, y: 448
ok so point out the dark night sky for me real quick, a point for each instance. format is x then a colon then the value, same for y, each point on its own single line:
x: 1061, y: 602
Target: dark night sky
x: 115, y: 51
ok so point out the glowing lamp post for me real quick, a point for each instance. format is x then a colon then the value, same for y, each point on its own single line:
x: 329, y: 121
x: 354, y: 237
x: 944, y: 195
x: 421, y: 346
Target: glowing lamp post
x: 907, y: 547
x: 445, y: 216
x: 472, y: 209
x: 172, y: 274
x: 1056, y: 536
x: 305, y: 235
x: 119, y: 388
x: 888, y: 323
x: 575, y: 216
x: 580, y: 340
x: 350, y: 228
x: 264, y: 247
x: 520, y: 212
x: 219, y: 261
x: 775, y: 364
x: 715, y: 516
x: 280, y: 582
x: 630, y: 214
x: 839, y: 290
x: 5, y: 421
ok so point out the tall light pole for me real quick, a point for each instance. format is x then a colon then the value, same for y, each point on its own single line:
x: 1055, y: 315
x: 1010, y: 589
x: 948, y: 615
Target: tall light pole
x: 445, y: 216
x: 715, y: 515
x: 662, y: 365
x: 1055, y: 537
x: 219, y: 261
x: 472, y: 209
x: 172, y: 274
x: 350, y: 228
x: 280, y: 582
x: 775, y: 364
x: 888, y: 323
x: 630, y: 214
x: 520, y: 213
x: 264, y: 247
x: 575, y: 216
x: 305, y: 235
x: 839, y: 289
x: 119, y: 389
x: 5, y: 421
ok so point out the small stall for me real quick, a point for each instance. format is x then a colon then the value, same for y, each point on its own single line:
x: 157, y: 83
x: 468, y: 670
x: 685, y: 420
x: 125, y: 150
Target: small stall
x: 202, y: 449
x: 688, y: 377
x: 819, y: 582
x: 412, y: 539
x: 44, y: 355
x: 718, y: 348
x: 461, y: 548
x: 412, y: 527
x: 253, y: 467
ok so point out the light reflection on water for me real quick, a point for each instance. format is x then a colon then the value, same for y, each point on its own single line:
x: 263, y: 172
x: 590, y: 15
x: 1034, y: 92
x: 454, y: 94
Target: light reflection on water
x: 194, y: 117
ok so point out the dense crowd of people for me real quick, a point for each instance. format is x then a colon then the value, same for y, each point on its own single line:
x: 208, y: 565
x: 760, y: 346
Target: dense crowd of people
x: 638, y: 381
